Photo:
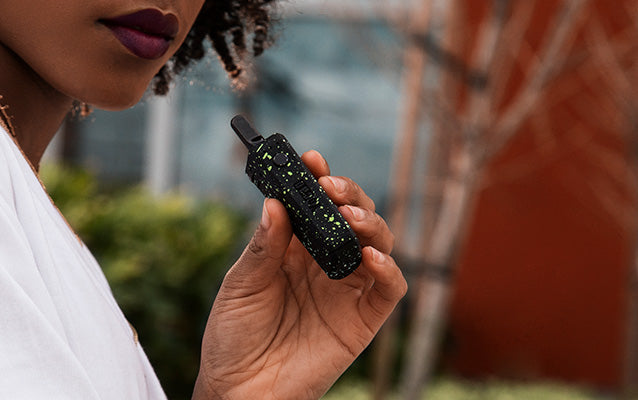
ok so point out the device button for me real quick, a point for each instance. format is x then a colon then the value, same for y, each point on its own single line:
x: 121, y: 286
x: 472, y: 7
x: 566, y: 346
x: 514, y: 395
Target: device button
x: 280, y: 159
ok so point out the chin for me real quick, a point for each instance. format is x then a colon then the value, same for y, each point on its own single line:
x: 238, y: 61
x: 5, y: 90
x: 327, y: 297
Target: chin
x: 114, y: 100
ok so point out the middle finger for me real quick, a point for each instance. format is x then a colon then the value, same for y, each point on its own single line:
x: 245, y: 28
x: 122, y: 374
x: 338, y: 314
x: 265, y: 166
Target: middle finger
x: 344, y: 191
x: 371, y: 229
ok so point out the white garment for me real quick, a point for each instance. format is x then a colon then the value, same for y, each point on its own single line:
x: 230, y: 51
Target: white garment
x: 62, y: 335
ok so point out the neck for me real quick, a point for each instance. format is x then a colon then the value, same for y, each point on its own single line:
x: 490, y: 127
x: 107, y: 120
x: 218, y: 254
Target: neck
x: 36, y: 110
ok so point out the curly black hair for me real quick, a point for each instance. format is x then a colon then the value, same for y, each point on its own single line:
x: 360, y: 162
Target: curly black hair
x: 230, y: 25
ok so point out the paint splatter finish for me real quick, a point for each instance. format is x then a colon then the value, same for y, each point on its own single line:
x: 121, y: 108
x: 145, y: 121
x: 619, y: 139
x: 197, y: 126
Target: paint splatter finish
x: 277, y: 170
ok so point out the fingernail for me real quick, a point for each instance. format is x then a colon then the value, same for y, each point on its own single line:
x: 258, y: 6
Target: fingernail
x: 339, y: 184
x: 265, y: 217
x: 357, y: 213
x: 377, y: 256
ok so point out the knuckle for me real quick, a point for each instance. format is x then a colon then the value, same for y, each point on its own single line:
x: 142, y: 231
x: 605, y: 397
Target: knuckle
x: 381, y: 233
x: 350, y: 186
x: 354, y: 187
x: 373, y: 206
x: 256, y: 246
x: 403, y: 290
x: 402, y: 283
x: 380, y: 222
x: 391, y: 240
x: 405, y: 285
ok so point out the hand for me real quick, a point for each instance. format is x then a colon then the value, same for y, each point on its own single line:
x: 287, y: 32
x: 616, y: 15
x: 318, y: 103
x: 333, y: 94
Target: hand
x: 279, y: 328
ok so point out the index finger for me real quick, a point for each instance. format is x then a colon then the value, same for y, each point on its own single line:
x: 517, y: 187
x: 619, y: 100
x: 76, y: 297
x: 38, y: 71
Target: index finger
x: 315, y: 163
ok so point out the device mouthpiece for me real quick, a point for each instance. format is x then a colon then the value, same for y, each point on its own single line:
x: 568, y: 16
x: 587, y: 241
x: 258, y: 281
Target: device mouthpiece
x: 248, y: 135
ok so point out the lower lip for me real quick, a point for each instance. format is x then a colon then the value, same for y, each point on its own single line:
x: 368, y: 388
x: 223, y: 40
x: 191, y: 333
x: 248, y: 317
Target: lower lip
x: 141, y: 44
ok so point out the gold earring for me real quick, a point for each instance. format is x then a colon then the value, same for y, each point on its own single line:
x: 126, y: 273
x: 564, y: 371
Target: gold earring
x: 81, y: 109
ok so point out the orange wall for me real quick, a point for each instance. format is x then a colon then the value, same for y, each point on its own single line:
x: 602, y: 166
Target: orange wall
x: 541, y: 288
x: 542, y: 280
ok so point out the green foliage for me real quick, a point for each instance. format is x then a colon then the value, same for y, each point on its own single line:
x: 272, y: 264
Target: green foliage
x: 450, y: 389
x: 164, y: 259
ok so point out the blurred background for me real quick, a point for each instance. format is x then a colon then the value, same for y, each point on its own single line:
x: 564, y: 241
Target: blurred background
x: 497, y: 138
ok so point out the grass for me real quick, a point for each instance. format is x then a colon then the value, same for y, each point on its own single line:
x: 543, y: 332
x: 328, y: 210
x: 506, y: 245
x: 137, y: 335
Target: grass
x: 449, y: 389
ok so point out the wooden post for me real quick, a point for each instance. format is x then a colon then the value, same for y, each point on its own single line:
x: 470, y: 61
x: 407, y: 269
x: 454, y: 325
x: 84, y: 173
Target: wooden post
x: 160, y: 172
x: 403, y: 182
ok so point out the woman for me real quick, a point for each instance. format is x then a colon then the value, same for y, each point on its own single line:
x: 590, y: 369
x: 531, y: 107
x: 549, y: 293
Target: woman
x: 278, y: 328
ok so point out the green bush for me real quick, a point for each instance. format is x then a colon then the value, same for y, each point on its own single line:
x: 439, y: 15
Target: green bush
x: 454, y: 389
x: 164, y: 259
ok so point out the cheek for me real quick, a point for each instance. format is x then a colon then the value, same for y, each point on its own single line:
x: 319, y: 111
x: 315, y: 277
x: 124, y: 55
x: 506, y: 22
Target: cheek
x: 64, y: 44
x: 111, y: 86
x: 78, y: 57
x: 97, y: 71
x: 191, y: 8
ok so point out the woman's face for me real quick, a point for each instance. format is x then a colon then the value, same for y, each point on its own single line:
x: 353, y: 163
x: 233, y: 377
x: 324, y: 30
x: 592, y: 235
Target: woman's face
x: 102, y: 52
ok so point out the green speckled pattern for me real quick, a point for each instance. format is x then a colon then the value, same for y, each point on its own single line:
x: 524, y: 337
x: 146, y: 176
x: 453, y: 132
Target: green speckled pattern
x: 277, y: 170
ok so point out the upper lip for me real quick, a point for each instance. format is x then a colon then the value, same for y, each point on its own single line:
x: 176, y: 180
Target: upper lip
x: 150, y: 21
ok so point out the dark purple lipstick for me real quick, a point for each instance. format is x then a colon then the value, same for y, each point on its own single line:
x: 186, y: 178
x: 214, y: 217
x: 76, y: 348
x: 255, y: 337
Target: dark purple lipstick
x: 147, y: 33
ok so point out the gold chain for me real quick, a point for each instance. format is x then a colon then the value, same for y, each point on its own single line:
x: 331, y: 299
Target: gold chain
x: 5, y: 120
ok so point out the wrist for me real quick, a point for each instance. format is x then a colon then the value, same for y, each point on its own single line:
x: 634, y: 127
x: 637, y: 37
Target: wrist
x: 204, y: 391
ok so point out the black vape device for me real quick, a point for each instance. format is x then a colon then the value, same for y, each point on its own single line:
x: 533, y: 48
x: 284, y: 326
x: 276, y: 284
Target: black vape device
x: 277, y: 170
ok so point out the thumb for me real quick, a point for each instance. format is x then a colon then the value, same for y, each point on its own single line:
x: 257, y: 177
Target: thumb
x: 266, y: 250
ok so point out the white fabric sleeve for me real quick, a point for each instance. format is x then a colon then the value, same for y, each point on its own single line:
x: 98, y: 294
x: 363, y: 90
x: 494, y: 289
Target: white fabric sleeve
x: 35, y: 360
